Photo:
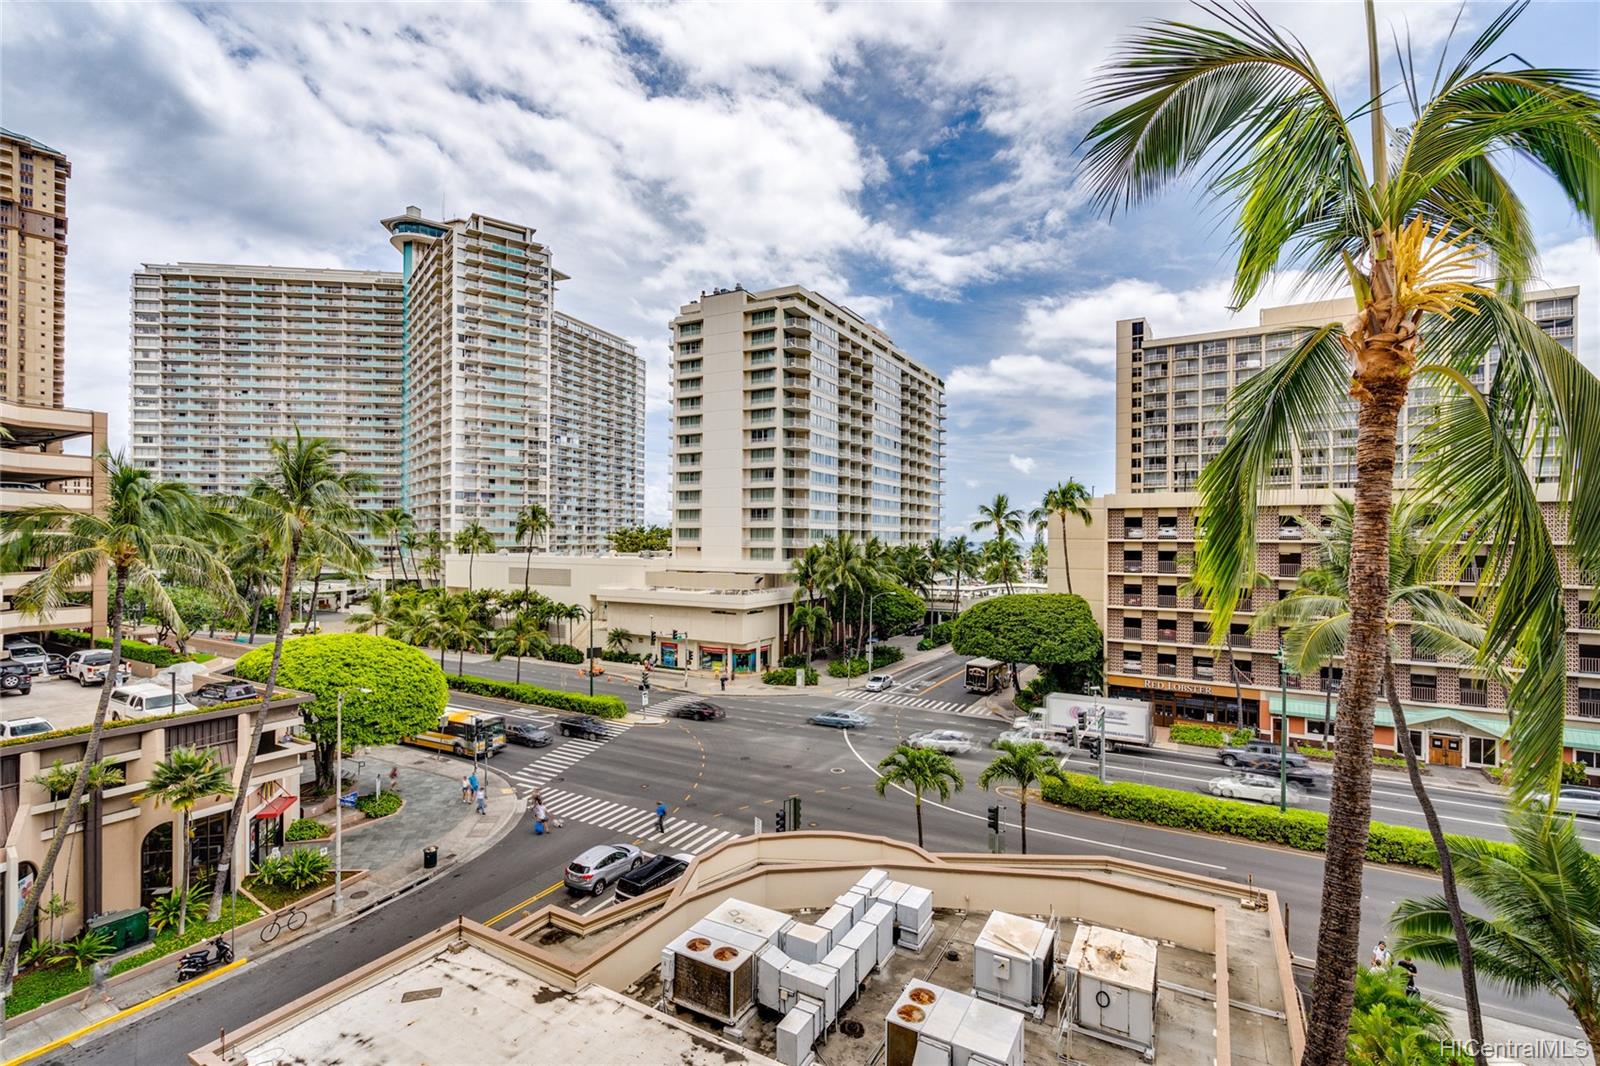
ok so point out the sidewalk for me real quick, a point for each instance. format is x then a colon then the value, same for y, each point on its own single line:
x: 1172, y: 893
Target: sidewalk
x: 390, y: 849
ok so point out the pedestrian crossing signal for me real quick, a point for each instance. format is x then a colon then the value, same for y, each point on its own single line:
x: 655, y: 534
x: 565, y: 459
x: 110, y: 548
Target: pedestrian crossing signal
x: 994, y: 819
x: 779, y: 823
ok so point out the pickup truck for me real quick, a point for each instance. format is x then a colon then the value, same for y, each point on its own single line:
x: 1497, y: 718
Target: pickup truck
x: 1262, y: 756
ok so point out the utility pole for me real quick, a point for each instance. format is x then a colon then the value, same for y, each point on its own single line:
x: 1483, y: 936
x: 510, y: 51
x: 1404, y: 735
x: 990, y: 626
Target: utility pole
x: 1101, y: 749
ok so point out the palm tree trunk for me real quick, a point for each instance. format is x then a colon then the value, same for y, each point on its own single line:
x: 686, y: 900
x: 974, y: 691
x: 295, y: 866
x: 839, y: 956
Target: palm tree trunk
x: 80, y: 783
x: 519, y: 669
x: 183, y: 876
x: 1022, y: 810
x: 1065, y: 562
x: 311, y: 608
x: 1327, y: 705
x: 919, y: 820
x: 1447, y: 874
x: 958, y: 592
x: 242, y: 785
x: 1381, y: 385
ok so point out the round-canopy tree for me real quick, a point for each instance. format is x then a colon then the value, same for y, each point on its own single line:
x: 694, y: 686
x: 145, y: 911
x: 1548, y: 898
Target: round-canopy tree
x: 896, y: 608
x: 406, y: 693
x: 1053, y: 631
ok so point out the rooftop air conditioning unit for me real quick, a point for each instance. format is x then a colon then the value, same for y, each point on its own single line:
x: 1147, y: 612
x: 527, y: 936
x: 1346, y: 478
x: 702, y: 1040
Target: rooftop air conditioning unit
x: 880, y: 919
x: 1013, y: 961
x: 913, y: 913
x: 799, y: 1031
x: 921, y: 1026
x: 770, y: 992
x: 817, y: 982
x: 715, y: 980
x: 836, y: 920
x: 763, y: 922
x: 855, y: 901
x: 843, y: 960
x: 989, y: 1035
x: 1113, y: 985
x: 862, y: 942
x: 872, y: 882
x: 806, y: 943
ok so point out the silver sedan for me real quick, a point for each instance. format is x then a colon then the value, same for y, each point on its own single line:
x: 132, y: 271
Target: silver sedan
x: 949, y: 741
x: 1252, y: 787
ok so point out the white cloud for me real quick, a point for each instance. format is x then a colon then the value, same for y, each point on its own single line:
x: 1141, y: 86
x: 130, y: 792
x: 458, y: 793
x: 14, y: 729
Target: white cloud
x: 1024, y: 375
x: 1577, y: 262
x: 1022, y: 464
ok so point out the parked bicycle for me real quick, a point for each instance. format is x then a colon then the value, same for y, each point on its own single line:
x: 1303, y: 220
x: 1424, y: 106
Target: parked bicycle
x: 291, y: 919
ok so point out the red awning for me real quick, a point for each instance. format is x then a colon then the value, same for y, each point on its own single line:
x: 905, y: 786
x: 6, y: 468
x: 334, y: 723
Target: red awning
x: 277, y: 806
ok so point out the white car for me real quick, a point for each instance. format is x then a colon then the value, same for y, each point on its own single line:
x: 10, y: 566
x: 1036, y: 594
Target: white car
x: 949, y: 741
x: 1055, y: 741
x: 880, y: 682
x: 1252, y: 787
x: 131, y: 701
x: 1575, y: 799
x: 24, y: 727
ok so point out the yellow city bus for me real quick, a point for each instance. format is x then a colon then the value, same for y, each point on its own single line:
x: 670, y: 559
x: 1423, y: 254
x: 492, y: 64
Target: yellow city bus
x: 470, y: 733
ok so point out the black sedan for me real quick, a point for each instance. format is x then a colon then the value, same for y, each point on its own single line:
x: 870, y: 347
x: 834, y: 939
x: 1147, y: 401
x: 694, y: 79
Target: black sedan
x: 699, y: 711
x: 222, y: 692
x: 582, y: 726
x: 528, y: 733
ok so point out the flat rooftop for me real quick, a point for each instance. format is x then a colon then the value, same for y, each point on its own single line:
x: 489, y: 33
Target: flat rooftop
x: 457, y: 995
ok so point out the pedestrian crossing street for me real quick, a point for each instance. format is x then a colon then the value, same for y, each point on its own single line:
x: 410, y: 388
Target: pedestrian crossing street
x: 921, y: 703
x: 561, y: 758
x: 638, y: 822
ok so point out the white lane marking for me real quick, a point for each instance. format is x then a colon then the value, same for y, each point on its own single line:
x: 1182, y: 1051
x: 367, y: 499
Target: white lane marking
x: 1046, y: 832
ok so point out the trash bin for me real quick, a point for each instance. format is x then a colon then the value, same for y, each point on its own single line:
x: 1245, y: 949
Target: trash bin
x: 125, y: 928
x: 430, y: 857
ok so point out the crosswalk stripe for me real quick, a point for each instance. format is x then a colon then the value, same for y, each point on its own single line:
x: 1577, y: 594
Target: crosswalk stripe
x: 681, y: 835
x: 695, y: 839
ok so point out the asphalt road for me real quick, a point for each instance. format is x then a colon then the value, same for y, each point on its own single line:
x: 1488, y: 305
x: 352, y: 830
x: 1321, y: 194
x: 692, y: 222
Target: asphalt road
x: 716, y: 777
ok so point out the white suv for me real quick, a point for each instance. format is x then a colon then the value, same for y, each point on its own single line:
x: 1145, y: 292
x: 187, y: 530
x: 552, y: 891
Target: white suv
x: 147, y: 698
x: 88, y: 667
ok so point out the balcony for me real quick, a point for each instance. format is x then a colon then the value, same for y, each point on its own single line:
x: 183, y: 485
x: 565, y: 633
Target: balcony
x: 1167, y: 533
x: 1132, y: 601
x: 1238, y: 640
x: 1169, y: 635
x: 1288, y: 569
x: 1586, y: 708
x: 1205, y: 673
x: 1132, y: 566
x: 1589, y: 664
x: 1166, y: 669
x: 1474, y: 697
x: 17, y: 499
x: 1133, y: 532
x: 1166, y: 600
x: 1135, y: 666
x: 1424, y: 693
x: 1167, y: 566
x: 1588, y: 617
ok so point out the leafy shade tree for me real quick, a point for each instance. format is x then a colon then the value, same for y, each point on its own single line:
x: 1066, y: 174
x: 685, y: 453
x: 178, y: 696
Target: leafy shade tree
x: 919, y: 771
x: 303, y: 503
x: 811, y: 621
x: 1409, y: 227
x: 183, y: 779
x: 631, y: 539
x: 148, y: 528
x: 1002, y: 562
x: 533, y: 523
x: 406, y: 689
x: 474, y: 538
x: 1067, y: 500
x: 523, y: 635
x: 1544, y: 930
x: 896, y: 608
x: 1054, y: 631
x: 618, y: 639
x: 1024, y: 765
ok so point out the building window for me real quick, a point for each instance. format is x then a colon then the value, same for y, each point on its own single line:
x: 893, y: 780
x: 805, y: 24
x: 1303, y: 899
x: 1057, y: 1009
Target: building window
x: 1483, y: 751
x: 762, y: 318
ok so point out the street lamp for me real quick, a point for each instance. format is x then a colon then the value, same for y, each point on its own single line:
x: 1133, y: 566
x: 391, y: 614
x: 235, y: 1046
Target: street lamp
x: 588, y: 651
x: 338, y: 803
x: 1283, y: 739
x: 872, y: 600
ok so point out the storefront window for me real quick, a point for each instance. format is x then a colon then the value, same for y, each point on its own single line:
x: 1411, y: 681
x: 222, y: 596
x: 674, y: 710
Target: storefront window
x: 744, y: 662
x: 1482, y: 750
x: 155, y: 864
x: 669, y: 654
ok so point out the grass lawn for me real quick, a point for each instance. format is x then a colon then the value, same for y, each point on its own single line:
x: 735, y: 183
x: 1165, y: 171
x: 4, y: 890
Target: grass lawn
x: 39, y: 986
x: 276, y: 898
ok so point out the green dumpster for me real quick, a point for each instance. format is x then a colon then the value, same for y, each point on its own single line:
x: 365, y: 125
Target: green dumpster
x: 125, y: 928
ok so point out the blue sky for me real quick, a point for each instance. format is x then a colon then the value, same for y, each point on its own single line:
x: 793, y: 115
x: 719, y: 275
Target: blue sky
x: 915, y: 161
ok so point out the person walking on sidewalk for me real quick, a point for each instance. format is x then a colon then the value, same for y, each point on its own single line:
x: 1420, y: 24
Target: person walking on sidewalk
x: 661, y: 817
x: 724, y: 679
x: 466, y: 789
x: 539, y: 816
x: 472, y: 783
x: 483, y: 801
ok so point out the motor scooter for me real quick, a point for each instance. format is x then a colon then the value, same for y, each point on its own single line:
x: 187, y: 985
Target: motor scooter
x: 196, y: 963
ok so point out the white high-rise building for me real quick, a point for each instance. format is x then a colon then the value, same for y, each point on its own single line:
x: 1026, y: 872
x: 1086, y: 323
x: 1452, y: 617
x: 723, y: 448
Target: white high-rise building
x: 596, y: 435
x: 794, y: 420
x: 227, y: 358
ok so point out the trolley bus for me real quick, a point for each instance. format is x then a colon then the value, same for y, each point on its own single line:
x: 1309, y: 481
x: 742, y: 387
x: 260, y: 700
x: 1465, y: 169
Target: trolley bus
x: 467, y: 733
x: 986, y: 675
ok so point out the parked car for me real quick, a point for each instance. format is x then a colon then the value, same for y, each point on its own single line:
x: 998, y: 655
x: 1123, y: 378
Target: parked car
x: 29, y: 654
x: 88, y: 667
x: 583, y: 727
x: 132, y: 701
x: 949, y: 741
x: 841, y: 719
x: 527, y: 733
x: 1254, y: 787
x: 1055, y: 741
x: 880, y: 683
x: 661, y: 870
x: 1263, y: 756
x: 55, y: 665
x: 1575, y: 799
x: 598, y: 867
x: 24, y: 727
x: 699, y: 710
x: 222, y: 692
x: 15, y: 678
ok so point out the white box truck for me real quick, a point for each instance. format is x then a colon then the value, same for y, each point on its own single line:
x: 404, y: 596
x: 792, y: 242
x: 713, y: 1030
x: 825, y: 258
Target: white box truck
x: 1127, y: 723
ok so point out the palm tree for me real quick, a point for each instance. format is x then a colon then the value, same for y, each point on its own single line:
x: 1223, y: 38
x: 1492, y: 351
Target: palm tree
x: 57, y: 780
x: 1000, y: 516
x: 1002, y: 562
x: 533, y: 523
x: 523, y: 635
x: 472, y: 539
x: 433, y: 545
x: 843, y: 575
x: 410, y: 541
x: 1069, y: 499
x: 1039, y: 556
x: 1409, y: 229
x: 960, y: 560
x: 148, y: 529
x: 1544, y: 895
x: 1023, y: 765
x: 181, y: 780
x: 618, y: 639
x: 303, y: 503
x: 459, y: 628
x: 380, y: 612
x: 393, y: 523
x: 810, y: 620
x: 1392, y: 1027
x: 919, y: 770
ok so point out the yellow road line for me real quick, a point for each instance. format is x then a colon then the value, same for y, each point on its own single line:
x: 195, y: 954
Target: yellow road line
x: 536, y: 897
x: 29, y: 1056
x: 954, y: 673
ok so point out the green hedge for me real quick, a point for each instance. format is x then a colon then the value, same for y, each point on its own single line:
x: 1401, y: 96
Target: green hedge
x: 793, y: 661
x: 307, y: 829
x: 135, y: 650
x: 621, y: 656
x: 1395, y: 762
x: 1205, y: 736
x: 937, y: 635
x: 1301, y: 829
x: 379, y: 806
x: 564, y: 653
x: 599, y: 706
x: 785, y: 676
x: 847, y: 668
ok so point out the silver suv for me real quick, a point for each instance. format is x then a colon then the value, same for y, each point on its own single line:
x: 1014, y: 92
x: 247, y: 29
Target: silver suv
x: 600, y: 866
x: 30, y: 655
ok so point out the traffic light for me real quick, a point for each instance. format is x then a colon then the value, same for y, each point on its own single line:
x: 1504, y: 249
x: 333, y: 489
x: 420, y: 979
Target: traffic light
x: 652, y: 638
x: 674, y: 634
x: 994, y: 819
x: 793, y: 805
x: 780, y: 821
